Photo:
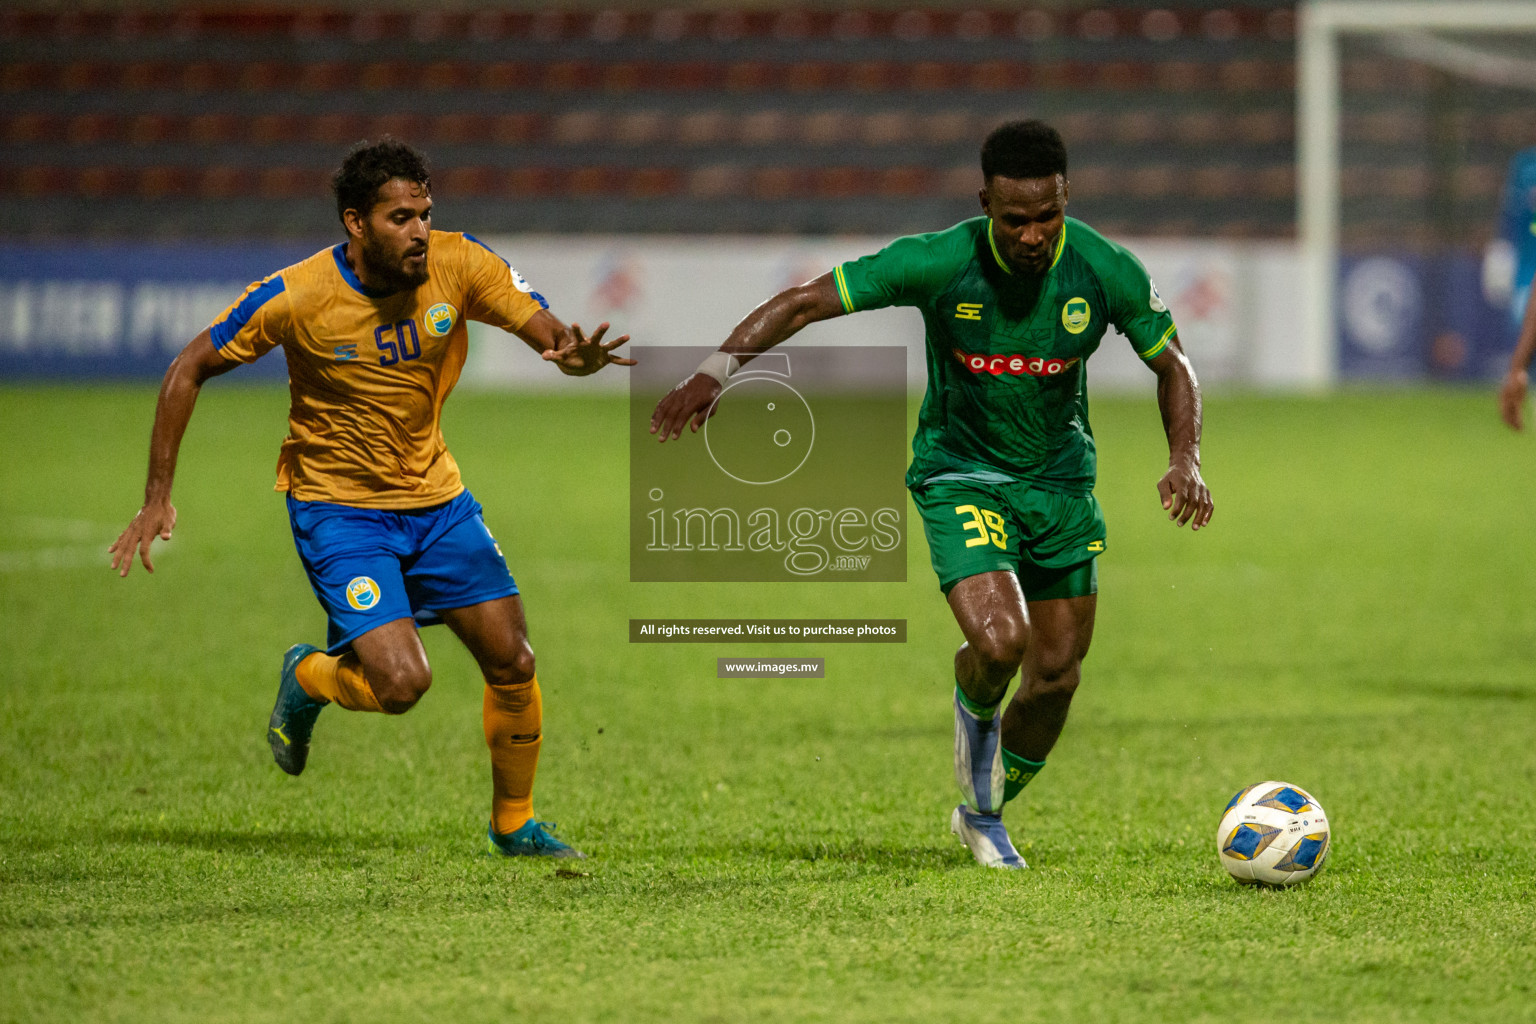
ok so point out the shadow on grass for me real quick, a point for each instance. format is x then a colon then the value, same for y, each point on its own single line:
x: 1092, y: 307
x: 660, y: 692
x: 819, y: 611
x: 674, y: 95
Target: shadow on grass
x: 1474, y: 691
x: 277, y: 842
x: 294, y: 843
x: 872, y: 858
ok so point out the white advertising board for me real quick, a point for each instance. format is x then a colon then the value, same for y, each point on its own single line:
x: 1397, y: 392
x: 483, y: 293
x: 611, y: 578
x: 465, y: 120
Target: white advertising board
x: 1235, y: 304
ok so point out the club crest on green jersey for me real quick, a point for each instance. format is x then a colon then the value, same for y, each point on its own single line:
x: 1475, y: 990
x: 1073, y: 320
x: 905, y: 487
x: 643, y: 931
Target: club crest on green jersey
x: 439, y: 319
x: 1075, y: 315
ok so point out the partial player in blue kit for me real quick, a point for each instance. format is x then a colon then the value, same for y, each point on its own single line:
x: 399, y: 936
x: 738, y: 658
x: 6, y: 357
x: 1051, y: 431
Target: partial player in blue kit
x: 1508, y: 269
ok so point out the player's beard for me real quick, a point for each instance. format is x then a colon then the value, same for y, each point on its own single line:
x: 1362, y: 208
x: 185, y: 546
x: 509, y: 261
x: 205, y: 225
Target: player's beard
x: 389, y: 268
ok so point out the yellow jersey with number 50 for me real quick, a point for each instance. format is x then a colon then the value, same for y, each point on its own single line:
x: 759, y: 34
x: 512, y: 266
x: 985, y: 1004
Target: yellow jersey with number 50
x: 367, y: 373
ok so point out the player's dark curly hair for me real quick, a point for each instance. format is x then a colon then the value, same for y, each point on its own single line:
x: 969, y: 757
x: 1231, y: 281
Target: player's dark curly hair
x: 370, y: 166
x: 1023, y: 149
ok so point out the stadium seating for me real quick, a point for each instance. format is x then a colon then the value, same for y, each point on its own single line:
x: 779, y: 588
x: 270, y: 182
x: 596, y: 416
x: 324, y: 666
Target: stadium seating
x: 733, y: 120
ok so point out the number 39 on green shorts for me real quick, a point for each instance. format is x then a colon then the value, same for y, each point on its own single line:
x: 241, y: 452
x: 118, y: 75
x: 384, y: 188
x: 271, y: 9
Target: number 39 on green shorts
x: 1049, y: 540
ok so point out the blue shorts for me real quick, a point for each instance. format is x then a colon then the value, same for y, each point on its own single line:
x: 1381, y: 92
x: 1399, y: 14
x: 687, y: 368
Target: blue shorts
x: 372, y: 566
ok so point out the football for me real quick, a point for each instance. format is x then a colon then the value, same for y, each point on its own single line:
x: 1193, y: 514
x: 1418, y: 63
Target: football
x: 1273, y: 833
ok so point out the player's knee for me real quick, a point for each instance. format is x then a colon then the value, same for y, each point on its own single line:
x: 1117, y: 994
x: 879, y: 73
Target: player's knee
x: 399, y: 688
x: 1056, y: 677
x: 513, y: 669
x: 1000, y: 646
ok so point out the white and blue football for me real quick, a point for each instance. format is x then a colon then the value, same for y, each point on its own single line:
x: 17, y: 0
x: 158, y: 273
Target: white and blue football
x: 1273, y: 833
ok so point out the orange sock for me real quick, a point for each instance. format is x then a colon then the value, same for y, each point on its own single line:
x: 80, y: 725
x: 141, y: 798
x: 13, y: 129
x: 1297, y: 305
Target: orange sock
x: 514, y: 717
x: 338, y: 679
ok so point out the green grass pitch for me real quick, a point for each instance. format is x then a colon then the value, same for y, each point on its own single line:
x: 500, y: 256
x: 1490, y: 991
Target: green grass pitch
x: 1360, y: 619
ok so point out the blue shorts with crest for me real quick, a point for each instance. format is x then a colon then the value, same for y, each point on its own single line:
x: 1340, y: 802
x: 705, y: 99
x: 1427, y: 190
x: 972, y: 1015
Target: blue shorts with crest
x: 372, y: 566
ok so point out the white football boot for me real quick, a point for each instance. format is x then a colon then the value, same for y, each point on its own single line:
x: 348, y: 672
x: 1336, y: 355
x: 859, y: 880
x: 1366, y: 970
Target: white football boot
x: 986, y: 838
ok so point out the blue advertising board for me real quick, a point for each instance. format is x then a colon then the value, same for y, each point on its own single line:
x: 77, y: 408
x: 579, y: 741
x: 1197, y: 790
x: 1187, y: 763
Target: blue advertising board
x: 1406, y: 316
x: 123, y: 311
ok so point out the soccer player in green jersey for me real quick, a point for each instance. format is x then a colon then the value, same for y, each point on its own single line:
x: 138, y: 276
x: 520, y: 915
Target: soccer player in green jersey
x: 1014, y: 303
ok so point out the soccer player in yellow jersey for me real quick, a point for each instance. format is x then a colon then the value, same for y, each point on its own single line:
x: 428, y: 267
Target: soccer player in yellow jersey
x: 374, y: 334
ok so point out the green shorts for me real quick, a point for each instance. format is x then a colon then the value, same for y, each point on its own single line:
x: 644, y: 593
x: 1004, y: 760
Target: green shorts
x: 1049, y: 540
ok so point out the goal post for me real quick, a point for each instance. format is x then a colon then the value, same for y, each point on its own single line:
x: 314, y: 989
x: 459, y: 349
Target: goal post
x: 1321, y: 25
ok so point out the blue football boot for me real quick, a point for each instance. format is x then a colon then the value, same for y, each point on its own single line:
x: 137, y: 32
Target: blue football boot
x: 533, y: 839
x: 294, y: 714
x: 986, y: 837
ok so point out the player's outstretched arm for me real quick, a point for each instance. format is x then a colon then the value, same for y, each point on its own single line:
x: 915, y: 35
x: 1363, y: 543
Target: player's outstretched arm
x: 1516, y: 382
x: 767, y: 325
x: 198, y: 362
x: 568, y: 347
x: 1183, y: 493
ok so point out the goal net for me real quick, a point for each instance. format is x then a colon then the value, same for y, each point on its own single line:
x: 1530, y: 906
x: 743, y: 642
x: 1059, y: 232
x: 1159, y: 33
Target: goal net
x: 1409, y: 115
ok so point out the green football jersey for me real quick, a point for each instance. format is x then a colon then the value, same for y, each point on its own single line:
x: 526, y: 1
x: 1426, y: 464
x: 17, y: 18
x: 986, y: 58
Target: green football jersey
x: 1007, y: 392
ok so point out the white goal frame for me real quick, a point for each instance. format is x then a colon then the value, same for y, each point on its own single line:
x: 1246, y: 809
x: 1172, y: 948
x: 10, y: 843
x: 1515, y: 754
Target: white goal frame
x: 1321, y: 24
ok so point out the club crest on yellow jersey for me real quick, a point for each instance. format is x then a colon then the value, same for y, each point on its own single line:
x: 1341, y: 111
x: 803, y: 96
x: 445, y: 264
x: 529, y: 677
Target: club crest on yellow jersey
x: 440, y: 319
x: 1074, y: 315
x: 362, y: 593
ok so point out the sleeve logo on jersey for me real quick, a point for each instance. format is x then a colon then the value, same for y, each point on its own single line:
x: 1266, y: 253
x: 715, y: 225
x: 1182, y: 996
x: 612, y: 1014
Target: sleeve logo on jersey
x: 440, y: 318
x: 1156, y: 301
x: 997, y: 365
x: 362, y: 593
x: 968, y: 311
x: 1075, y: 315
x: 518, y: 280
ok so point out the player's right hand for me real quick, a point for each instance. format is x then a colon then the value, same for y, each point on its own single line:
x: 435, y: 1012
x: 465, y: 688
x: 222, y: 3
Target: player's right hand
x: 1512, y: 398
x: 691, y: 402
x: 152, y: 521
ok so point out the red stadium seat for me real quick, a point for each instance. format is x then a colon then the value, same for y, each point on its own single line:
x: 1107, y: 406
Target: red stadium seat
x: 904, y: 182
x: 217, y: 129
x: 325, y: 76
x: 335, y: 129
x: 86, y: 129
x: 224, y: 182
x: 448, y: 76
x: 652, y: 182
x: 457, y: 129
x: 468, y: 181
x: 406, y: 127
x: 270, y: 129
x: 778, y: 182
x: 289, y: 182
x: 840, y: 182
x: 507, y: 75
x: 591, y: 181
x: 640, y: 128
x: 100, y: 182
x: 144, y: 76
x: 717, y: 181
x: 703, y: 128
x: 21, y: 129
x: 579, y: 128
x: 160, y: 182
x: 515, y: 128
x: 889, y: 128
x: 87, y: 76
x: 267, y: 76
x: 207, y: 76
x: 152, y: 129
x: 27, y: 76
x: 765, y: 128
x: 384, y: 76
x: 531, y: 182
